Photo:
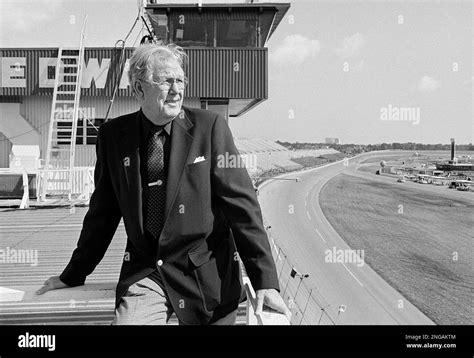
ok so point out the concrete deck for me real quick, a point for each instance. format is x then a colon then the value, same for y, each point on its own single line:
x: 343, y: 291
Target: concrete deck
x: 48, y: 235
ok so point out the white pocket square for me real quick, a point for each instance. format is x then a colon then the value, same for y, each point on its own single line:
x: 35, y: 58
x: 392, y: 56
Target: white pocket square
x: 198, y: 159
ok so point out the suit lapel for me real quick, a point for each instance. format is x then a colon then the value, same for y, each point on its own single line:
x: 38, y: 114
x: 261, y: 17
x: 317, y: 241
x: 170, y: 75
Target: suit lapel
x: 181, y: 141
x: 129, y: 146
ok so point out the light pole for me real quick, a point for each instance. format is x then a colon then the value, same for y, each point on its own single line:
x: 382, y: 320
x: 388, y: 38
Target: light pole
x: 342, y: 309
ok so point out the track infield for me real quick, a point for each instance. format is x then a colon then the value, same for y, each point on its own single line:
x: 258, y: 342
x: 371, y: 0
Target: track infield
x: 420, y: 243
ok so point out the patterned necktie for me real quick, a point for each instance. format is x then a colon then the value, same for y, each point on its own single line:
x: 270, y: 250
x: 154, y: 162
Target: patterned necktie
x: 156, y: 184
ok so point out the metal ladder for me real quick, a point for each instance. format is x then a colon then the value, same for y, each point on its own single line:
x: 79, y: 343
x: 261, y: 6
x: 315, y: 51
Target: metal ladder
x: 60, y: 154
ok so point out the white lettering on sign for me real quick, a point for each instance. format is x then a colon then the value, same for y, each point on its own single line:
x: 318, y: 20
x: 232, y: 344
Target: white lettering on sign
x: 43, y: 64
x: 92, y: 71
x: 13, y: 72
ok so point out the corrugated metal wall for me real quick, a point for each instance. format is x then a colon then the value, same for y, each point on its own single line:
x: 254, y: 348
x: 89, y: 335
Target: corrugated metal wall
x: 5, y: 148
x: 212, y: 72
x: 37, y: 110
x: 32, y: 70
x: 192, y: 102
x: 227, y: 73
x: 210, y: 14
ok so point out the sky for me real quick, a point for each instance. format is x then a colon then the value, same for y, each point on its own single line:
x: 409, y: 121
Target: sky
x: 364, y: 72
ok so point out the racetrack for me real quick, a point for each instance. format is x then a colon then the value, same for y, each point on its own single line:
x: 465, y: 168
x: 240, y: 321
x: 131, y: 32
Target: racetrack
x: 300, y: 227
x: 420, y: 244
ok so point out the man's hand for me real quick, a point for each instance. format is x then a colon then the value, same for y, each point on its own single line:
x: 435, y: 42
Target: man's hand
x: 271, y: 298
x: 51, y: 283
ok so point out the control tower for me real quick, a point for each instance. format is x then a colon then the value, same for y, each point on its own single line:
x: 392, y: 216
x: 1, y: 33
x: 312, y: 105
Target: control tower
x: 227, y: 59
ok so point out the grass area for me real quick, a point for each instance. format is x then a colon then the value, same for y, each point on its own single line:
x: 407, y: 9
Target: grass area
x: 369, y: 168
x: 309, y: 161
x: 390, y: 158
x: 413, y: 251
x: 334, y: 156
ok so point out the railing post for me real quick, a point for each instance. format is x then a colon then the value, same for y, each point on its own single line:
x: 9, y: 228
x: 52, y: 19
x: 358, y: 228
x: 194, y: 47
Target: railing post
x: 26, y: 191
x: 268, y: 316
x: 86, y: 184
x: 322, y: 312
x: 37, y: 185
x: 286, y: 286
x: 297, y: 289
x: 279, y: 275
x: 251, y: 318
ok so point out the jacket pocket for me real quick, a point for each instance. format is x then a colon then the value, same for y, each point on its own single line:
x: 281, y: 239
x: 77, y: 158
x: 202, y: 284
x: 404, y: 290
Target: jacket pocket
x: 198, y: 165
x: 207, y: 277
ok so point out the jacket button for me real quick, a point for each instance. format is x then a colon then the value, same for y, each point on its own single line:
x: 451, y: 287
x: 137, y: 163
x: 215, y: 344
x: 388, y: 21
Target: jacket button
x: 159, y: 262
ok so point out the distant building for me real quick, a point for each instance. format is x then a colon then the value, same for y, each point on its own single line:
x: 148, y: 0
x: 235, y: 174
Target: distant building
x: 453, y: 164
x: 388, y: 170
x: 332, y: 141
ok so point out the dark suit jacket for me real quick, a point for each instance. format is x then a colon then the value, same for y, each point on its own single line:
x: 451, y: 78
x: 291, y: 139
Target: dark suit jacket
x: 210, y: 212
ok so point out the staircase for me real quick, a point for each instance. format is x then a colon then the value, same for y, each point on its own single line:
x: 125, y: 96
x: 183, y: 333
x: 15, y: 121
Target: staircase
x: 59, y: 162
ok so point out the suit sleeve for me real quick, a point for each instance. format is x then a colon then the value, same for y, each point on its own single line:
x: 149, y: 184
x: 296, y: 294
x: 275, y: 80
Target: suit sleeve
x: 239, y: 203
x: 100, y: 222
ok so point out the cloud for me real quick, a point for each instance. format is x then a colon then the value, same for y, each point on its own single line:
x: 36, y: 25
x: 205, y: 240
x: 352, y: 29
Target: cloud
x: 295, y: 49
x: 26, y: 17
x: 428, y: 84
x: 351, y: 46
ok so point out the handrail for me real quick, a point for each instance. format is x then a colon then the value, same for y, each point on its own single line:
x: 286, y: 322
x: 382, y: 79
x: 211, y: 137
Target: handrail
x: 269, y: 316
x: 312, y: 306
x: 82, y: 183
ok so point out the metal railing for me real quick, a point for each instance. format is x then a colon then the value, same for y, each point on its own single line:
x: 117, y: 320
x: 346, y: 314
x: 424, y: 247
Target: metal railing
x: 268, y: 317
x: 79, y: 179
x: 307, y: 304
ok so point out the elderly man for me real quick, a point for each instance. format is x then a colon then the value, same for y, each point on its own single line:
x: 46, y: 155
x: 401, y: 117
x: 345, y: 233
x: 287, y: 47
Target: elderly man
x: 185, y: 213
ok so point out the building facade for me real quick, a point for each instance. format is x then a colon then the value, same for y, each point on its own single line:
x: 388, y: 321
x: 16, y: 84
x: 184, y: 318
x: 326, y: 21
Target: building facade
x: 227, y: 69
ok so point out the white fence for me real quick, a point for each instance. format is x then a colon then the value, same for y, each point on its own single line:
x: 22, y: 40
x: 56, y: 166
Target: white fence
x: 82, y: 183
x: 58, y: 183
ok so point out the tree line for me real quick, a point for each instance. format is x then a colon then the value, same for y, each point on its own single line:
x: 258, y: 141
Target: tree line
x: 361, y: 148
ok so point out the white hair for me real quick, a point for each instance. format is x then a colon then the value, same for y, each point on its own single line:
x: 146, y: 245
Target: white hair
x: 147, y: 57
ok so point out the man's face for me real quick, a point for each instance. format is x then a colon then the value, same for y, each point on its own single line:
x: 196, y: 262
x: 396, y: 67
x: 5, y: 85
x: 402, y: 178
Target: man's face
x: 165, y: 102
